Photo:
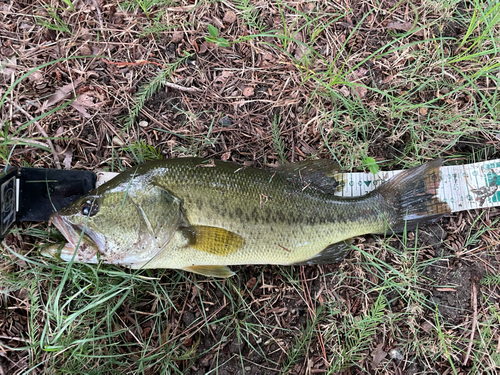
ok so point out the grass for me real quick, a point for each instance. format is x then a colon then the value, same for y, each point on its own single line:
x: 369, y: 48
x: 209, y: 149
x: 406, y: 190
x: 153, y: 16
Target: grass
x: 330, y: 82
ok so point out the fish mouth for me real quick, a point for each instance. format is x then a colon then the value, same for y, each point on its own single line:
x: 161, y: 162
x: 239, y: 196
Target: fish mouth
x: 83, y: 244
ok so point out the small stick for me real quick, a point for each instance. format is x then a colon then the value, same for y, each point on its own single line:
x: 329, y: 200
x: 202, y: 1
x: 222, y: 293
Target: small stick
x: 40, y: 129
x: 99, y: 16
x: 474, y: 319
x: 25, y: 141
x: 27, y: 341
x: 181, y: 88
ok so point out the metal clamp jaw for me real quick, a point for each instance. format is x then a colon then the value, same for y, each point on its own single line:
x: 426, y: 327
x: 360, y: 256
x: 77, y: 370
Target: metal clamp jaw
x: 33, y: 194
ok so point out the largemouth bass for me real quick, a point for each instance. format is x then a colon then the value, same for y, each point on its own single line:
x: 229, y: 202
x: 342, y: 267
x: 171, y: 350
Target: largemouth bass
x: 202, y: 215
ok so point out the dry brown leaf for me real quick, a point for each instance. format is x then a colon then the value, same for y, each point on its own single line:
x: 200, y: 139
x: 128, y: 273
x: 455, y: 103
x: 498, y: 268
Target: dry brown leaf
x: 6, y: 70
x: 68, y: 158
x: 361, y: 91
x: 344, y: 91
x: 84, y: 102
x: 248, y: 91
x: 204, y: 47
x: 388, y: 79
x: 62, y: 93
x: 239, y: 103
x: 229, y: 17
x: 378, y: 355
x: 225, y: 156
x: 361, y: 72
x: 423, y: 111
x: 427, y: 327
x: 404, y: 26
x: 177, y: 36
x: 36, y: 77
x: 85, y: 50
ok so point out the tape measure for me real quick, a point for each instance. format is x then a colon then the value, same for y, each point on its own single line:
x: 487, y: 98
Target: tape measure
x: 463, y: 187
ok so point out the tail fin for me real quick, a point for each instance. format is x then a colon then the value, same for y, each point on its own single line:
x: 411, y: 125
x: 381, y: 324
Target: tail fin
x: 411, y: 197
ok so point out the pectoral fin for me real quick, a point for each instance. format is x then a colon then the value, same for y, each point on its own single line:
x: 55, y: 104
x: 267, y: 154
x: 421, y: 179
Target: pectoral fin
x: 213, y: 240
x: 215, y: 271
x: 330, y: 254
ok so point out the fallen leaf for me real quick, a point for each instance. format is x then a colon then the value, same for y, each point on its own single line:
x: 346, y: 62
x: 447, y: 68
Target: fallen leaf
x: 378, y: 355
x: 239, y: 103
x: 84, y: 102
x: 85, y: 50
x: 427, y: 327
x: 59, y: 132
x: 310, y: 7
x: 224, y: 76
x: 177, y: 36
x: 36, y: 77
x: 361, y: 72
x: 203, y: 47
x: 361, y: 91
x: 229, y: 17
x: 225, y: 156
x: 62, y: 93
x: 268, y: 56
x: 248, y: 91
x: 423, y: 111
x: 344, y: 91
x: 404, y: 26
x: 8, y: 71
x: 68, y: 157
x: 388, y: 79
x: 251, y: 283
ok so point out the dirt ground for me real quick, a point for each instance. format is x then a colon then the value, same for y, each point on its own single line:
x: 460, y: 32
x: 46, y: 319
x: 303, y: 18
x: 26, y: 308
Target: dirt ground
x: 97, y: 64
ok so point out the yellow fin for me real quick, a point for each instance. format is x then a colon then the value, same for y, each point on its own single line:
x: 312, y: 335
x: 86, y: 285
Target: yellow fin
x: 215, y: 271
x: 213, y: 240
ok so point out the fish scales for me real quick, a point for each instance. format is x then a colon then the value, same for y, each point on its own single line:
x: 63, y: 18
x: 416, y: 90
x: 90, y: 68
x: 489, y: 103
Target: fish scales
x: 280, y: 221
x: 200, y: 215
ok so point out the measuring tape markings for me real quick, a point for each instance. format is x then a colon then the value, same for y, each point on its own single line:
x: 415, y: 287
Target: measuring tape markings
x: 463, y: 187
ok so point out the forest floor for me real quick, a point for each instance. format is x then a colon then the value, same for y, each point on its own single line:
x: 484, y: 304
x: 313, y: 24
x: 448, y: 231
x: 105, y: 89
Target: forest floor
x: 103, y: 85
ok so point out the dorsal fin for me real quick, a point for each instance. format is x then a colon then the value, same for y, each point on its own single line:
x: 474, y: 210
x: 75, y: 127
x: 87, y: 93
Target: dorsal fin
x: 323, y: 175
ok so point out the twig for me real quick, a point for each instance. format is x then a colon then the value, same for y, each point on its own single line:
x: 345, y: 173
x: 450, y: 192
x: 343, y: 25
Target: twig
x: 474, y: 319
x: 25, y: 141
x: 99, y: 16
x: 27, y: 341
x: 181, y: 88
x: 40, y: 129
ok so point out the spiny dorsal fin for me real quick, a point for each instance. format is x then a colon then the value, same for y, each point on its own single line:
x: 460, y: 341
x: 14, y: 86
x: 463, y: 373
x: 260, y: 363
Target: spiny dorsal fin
x: 213, y: 240
x: 215, y: 271
x: 322, y: 174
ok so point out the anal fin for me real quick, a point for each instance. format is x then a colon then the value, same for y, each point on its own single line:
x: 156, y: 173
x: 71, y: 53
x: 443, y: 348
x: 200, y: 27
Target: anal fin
x: 331, y: 254
x: 215, y: 271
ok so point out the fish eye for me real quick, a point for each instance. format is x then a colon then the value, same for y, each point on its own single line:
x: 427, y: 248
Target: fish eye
x: 89, y: 208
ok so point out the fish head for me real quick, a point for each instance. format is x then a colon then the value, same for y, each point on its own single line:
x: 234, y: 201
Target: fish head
x: 124, y: 225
